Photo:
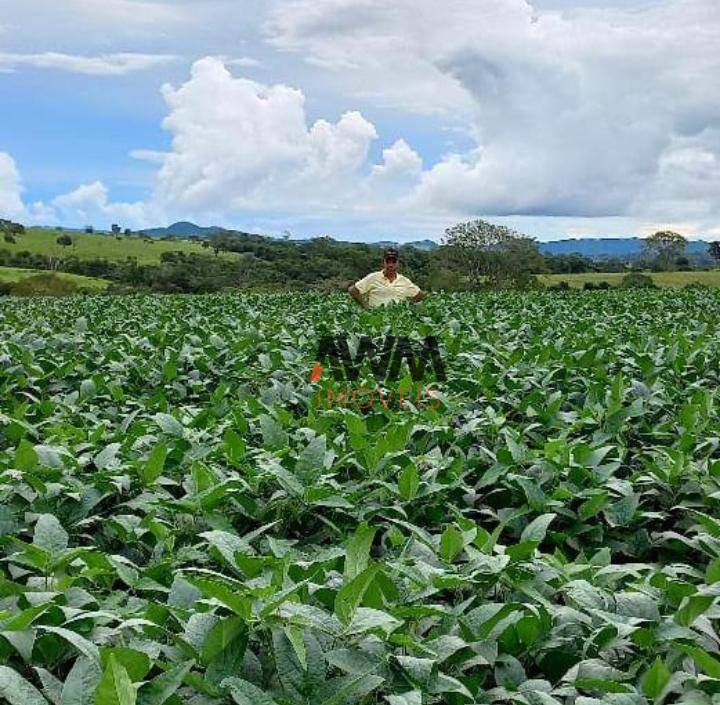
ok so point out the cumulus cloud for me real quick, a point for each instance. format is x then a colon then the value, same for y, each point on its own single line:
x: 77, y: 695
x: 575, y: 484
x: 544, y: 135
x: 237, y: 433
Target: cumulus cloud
x: 106, y: 65
x: 90, y: 204
x: 585, y: 112
x: 11, y: 204
x: 242, y: 145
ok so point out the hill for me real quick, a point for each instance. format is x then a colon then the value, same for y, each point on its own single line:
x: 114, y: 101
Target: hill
x: 425, y: 245
x: 605, y: 247
x: 85, y: 246
x: 181, y: 229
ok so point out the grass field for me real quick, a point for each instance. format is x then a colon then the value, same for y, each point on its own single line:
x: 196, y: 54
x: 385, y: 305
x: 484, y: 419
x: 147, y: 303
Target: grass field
x: 43, y: 241
x: 663, y: 279
x: 12, y: 275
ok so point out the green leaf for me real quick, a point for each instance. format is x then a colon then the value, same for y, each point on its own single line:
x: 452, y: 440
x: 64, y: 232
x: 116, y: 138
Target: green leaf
x: 16, y: 690
x: 692, y: 607
x: 234, y: 447
x: 412, y: 697
x: 707, y: 663
x: 601, y: 684
x: 350, y: 595
x: 592, y: 506
x: 712, y: 574
x: 160, y: 688
x: 274, y: 436
x: 81, y: 682
x: 25, y: 456
x: 346, y: 690
x: 115, y: 687
x: 50, y: 535
x: 655, y: 679
x: 245, y: 693
x: 451, y: 543
x: 357, y: 552
x: 310, y: 462
x: 107, y: 457
x: 236, y: 601
x: 221, y: 635
x: 622, y: 512
x: 537, y: 528
x: 409, y: 482
x: 154, y: 466
x: 295, y: 637
x: 169, y: 424
x: 136, y: 663
x: 85, y: 647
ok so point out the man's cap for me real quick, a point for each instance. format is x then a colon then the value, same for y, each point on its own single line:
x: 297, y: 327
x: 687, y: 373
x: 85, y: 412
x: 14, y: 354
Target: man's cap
x: 391, y: 252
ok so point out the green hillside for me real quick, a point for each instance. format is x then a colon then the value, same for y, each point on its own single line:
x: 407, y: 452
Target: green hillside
x: 12, y: 275
x: 85, y: 246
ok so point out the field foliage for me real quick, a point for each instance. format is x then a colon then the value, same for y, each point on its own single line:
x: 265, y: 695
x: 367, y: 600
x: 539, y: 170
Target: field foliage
x: 180, y: 524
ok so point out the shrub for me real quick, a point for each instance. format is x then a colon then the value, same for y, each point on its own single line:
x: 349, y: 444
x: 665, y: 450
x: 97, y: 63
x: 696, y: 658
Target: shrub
x: 562, y: 285
x: 440, y: 279
x: 45, y: 284
x: 9, y: 238
x: 5, y: 289
x: 636, y: 280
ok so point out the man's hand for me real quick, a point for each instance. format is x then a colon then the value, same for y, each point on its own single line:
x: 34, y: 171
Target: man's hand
x: 418, y: 297
x: 352, y: 290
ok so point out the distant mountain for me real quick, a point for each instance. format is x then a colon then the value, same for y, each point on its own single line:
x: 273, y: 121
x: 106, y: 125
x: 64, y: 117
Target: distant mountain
x: 606, y: 247
x: 183, y: 228
x: 594, y: 248
x: 426, y: 245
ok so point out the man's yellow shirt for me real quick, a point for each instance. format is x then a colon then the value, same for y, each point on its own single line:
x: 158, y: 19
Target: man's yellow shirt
x: 379, y: 291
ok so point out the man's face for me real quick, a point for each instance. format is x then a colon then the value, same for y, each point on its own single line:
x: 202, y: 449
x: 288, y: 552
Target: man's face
x: 390, y: 265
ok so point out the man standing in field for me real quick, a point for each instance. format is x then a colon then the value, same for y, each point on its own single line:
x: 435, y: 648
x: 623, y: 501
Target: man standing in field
x: 386, y: 286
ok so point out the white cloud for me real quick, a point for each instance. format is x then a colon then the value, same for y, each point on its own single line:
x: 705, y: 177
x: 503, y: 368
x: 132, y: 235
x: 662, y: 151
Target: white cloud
x: 148, y: 155
x: 573, y: 113
x: 243, y: 62
x: 582, y: 119
x: 241, y: 145
x: 90, y: 204
x: 106, y: 65
x: 88, y: 22
x: 11, y: 204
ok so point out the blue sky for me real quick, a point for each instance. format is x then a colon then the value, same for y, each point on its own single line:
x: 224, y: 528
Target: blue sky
x: 363, y: 119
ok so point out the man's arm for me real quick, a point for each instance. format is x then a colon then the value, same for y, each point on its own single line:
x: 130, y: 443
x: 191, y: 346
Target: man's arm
x: 413, y: 292
x: 355, y: 293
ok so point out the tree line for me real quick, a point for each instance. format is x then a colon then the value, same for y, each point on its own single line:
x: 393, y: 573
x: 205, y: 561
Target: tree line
x: 472, y: 255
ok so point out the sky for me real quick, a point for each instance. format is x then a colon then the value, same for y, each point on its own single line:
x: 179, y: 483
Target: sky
x: 363, y: 119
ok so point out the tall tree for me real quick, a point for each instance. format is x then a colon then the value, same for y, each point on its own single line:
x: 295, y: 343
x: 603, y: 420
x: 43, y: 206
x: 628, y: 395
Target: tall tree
x: 492, y: 254
x: 665, y: 246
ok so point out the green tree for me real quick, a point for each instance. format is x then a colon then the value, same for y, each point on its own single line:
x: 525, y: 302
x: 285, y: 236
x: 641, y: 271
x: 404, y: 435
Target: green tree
x: 492, y: 254
x: 714, y: 250
x: 665, y: 247
x: 64, y: 240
